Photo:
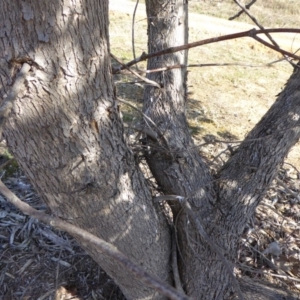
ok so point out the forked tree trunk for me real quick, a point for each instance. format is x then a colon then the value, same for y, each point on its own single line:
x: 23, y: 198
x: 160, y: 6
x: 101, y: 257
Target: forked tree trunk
x: 66, y: 132
x: 222, y: 204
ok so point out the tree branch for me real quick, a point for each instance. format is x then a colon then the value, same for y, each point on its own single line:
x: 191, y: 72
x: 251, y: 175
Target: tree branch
x: 132, y: 29
x: 246, y: 10
x: 256, y: 22
x: 106, y: 248
x: 146, y: 80
x: 241, y: 11
x: 250, y: 33
x: 249, y: 172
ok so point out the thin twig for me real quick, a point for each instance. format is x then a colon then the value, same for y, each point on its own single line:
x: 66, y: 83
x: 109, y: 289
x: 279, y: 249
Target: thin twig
x: 269, y: 64
x: 246, y: 10
x: 287, y: 189
x: 249, y: 33
x: 132, y: 30
x: 255, y: 22
x: 210, y: 65
x: 104, y: 247
x: 283, y: 276
x: 148, y: 81
x: 241, y: 11
x: 298, y: 173
x: 16, y: 89
x: 149, y: 120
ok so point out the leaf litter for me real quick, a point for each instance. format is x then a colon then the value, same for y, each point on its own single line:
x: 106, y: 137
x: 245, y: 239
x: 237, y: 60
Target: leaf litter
x: 40, y: 262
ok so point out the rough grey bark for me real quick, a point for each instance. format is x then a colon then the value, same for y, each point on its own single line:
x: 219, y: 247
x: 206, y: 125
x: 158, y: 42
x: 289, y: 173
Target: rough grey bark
x: 66, y: 132
x: 222, y: 204
x: 67, y: 135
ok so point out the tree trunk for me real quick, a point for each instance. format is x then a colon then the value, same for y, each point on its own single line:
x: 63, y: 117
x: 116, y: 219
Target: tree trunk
x: 66, y: 132
x: 224, y: 204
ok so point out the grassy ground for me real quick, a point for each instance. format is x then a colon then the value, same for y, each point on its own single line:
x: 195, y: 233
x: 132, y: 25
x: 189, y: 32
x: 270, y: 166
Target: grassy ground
x: 270, y: 13
x: 225, y: 101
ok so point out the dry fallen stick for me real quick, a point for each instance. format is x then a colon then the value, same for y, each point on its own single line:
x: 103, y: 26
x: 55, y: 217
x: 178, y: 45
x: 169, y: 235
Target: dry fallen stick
x: 103, y: 246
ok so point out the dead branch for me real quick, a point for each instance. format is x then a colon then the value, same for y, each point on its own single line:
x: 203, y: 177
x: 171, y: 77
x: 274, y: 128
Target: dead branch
x: 247, y: 12
x: 249, y: 33
x: 150, y: 132
x: 255, y: 22
x: 106, y: 248
x: 146, y: 80
x: 132, y: 30
x: 211, y: 65
x: 241, y: 11
x: 179, y: 66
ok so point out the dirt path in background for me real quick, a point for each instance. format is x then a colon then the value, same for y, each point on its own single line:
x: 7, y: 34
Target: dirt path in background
x: 214, y: 26
x: 233, y: 100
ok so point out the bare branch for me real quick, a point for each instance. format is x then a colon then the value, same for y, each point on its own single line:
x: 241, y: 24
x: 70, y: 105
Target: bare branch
x: 241, y: 11
x: 269, y: 64
x: 212, y: 65
x: 176, y: 275
x: 246, y: 10
x: 106, y: 248
x: 146, y: 118
x: 256, y: 22
x: 132, y: 30
x: 146, y: 80
x: 249, y: 33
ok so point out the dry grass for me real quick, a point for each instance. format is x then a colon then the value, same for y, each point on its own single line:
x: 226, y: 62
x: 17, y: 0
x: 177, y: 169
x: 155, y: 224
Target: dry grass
x: 271, y: 13
x: 224, y: 101
x: 38, y: 262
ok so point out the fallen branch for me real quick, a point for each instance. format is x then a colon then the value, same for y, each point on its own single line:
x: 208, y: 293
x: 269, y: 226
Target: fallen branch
x: 249, y: 33
x: 103, y: 246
